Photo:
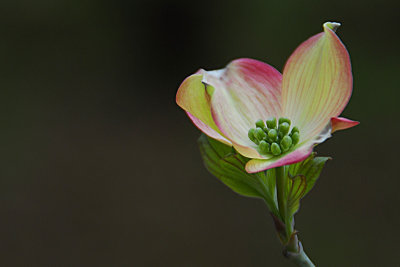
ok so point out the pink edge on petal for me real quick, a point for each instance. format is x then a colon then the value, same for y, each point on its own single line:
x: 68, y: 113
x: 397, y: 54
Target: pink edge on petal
x: 257, y: 165
x: 243, y: 92
x: 339, y: 123
x: 193, y: 98
x: 317, y: 82
x: 208, y: 130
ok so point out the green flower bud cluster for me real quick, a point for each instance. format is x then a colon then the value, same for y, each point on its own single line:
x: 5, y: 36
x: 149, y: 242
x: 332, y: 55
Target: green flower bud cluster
x: 274, y: 137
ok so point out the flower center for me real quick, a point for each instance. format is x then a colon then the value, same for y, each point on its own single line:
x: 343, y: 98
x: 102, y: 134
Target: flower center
x: 274, y: 138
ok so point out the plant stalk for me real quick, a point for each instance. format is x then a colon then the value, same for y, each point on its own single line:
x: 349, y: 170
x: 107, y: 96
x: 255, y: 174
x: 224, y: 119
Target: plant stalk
x: 281, y: 184
x: 299, y: 258
x: 293, y: 249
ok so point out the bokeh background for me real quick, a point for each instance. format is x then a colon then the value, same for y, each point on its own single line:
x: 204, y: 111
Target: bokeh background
x: 99, y: 167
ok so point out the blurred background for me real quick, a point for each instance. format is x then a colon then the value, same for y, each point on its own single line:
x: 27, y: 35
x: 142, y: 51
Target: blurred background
x: 99, y: 167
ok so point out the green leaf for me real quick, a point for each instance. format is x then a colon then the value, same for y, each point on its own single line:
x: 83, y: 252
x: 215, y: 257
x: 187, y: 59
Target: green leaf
x: 310, y: 168
x: 302, y: 178
x: 270, y: 182
x: 229, y: 167
x: 297, y: 187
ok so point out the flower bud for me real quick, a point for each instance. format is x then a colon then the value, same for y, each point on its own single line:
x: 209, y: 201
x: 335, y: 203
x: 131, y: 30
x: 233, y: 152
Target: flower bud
x: 260, y: 124
x: 269, y: 140
x: 284, y: 128
x: 271, y: 123
x: 250, y: 134
x: 286, y: 143
x: 273, y: 134
x: 295, y: 138
x: 282, y: 120
x: 295, y: 130
x: 275, y: 149
x: 260, y: 134
x: 264, y: 147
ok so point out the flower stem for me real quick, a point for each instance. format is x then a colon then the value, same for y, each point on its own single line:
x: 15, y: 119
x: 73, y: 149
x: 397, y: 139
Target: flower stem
x: 299, y: 258
x: 293, y: 249
x: 281, y: 191
x: 281, y: 182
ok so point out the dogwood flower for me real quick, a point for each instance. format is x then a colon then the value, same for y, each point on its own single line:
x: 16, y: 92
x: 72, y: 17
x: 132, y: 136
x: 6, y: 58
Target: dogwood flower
x: 300, y: 106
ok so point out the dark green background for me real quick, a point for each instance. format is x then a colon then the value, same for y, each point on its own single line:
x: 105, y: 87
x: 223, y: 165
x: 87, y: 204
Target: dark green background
x: 99, y: 167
